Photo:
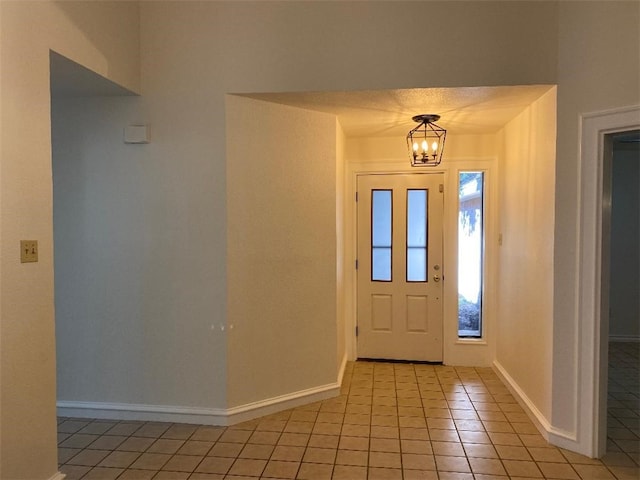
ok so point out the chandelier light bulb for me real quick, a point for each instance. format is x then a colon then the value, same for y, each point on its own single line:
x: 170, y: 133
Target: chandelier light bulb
x: 415, y: 147
x: 425, y: 146
x: 434, y: 147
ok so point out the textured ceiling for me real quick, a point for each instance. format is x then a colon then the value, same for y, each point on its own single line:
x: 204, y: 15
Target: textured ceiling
x: 469, y: 110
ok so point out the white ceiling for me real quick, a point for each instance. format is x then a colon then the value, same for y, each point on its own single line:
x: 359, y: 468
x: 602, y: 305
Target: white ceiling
x: 469, y: 110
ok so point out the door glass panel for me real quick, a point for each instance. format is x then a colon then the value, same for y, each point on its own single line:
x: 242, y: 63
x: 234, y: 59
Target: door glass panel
x: 417, y: 235
x: 381, y: 248
x: 470, y: 253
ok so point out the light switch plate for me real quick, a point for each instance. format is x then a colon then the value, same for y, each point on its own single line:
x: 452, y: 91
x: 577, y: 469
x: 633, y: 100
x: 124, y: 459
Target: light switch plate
x: 28, y: 251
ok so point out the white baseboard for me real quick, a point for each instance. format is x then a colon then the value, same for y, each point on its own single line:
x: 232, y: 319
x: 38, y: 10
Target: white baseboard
x: 58, y: 476
x: 200, y: 416
x: 624, y: 338
x: 553, y: 435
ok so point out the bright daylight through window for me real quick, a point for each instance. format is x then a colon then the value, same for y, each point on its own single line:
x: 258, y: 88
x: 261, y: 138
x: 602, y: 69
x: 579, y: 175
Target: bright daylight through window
x: 470, y: 253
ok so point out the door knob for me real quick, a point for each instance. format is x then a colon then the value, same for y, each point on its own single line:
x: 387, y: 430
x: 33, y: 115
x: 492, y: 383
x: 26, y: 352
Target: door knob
x: 436, y: 278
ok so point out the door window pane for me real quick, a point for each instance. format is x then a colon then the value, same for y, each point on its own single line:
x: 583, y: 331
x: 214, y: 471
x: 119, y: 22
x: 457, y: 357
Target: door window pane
x: 417, y: 235
x: 470, y: 253
x: 381, y: 248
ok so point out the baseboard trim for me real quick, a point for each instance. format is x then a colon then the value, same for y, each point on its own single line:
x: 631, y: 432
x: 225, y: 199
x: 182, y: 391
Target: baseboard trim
x: 58, y: 476
x: 624, y: 338
x: 201, y: 416
x: 553, y: 435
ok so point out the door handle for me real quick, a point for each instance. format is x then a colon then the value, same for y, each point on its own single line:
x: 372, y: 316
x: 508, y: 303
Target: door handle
x: 436, y: 278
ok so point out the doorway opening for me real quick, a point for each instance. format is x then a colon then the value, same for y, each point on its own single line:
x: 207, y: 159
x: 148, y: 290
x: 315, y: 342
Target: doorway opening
x: 620, y: 286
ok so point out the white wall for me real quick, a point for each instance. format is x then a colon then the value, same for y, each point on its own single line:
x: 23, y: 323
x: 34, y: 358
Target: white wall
x: 103, y: 37
x: 597, y: 70
x: 281, y: 250
x: 524, y: 324
x: 624, y: 282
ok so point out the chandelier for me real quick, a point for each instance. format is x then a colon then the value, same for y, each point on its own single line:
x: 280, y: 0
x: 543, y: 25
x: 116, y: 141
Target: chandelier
x: 426, y: 141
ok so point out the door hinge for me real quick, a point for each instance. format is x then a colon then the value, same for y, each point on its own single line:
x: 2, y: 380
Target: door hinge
x: 356, y: 263
x: 441, y: 188
x: 357, y: 331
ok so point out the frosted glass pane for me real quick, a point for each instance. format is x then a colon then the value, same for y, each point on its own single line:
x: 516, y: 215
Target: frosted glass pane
x: 381, y: 218
x: 381, y: 264
x: 416, y: 218
x: 416, y: 264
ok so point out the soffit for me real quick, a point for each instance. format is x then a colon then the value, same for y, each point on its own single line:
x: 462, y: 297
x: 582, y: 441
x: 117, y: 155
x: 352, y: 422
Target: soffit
x: 468, y: 110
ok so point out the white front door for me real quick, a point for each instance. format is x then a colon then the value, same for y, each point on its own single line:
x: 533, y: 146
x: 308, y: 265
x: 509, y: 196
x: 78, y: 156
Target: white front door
x: 400, y: 266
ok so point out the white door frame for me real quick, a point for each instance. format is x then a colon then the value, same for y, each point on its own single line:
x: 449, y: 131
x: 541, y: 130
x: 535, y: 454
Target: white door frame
x: 591, y: 322
x: 456, y: 351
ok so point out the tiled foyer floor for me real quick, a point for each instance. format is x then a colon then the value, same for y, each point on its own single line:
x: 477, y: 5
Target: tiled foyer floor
x: 392, y: 421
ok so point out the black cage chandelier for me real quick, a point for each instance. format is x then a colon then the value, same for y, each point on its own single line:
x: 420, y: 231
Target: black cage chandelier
x: 426, y: 141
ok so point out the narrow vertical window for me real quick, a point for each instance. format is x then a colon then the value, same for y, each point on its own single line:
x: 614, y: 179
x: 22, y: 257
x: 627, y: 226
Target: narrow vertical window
x: 470, y: 253
x: 417, y: 235
x: 381, y: 221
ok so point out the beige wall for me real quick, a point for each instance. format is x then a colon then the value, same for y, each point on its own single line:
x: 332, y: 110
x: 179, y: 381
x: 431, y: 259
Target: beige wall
x: 281, y: 250
x: 28, y: 31
x: 525, y: 258
x: 341, y: 261
x: 598, y: 69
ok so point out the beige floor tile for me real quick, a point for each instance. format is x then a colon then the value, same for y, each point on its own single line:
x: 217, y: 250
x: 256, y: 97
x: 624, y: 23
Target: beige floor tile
x: 249, y: 467
x: 207, y: 434
x: 280, y: 469
x: 271, y: 426
x: 482, y: 476
x: 409, y: 474
x: 558, y: 470
x: 151, y: 461
x: 257, y: 452
x: 230, y: 450
x: 166, y: 475
x: 384, y: 432
x: 124, y: 428
x: 136, y: 444
x: 626, y: 473
x: 480, y: 450
x: 88, y: 458
x: 183, y: 463
x: 412, y: 422
x: 152, y: 429
x: 287, y: 453
x: 349, y: 472
x: 235, y: 436
x: 314, y: 471
x: 103, y: 473
x: 319, y: 455
x: 133, y: 474
x: 452, y: 464
x: 618, y: 459
x: 384, y: 473
x: 165, y: 445
x: 107, y: 442
x: 65, y: 454
x: 421, y: 433
x: 352, y: 457
x: 501, y: 438
x: 416, y: 446
x: 418, y: 461
x: 327, y: 428
x: 546, y: 454
x: 576, y: 458
x: 180, y: 431
x: 522, y: 468
x: 384, y: 445
x: 218, y: 465
x: 533, y: 440
x: 385, y: 460
x: 487, y: 466
x: 74, y: 472
x: 444, y: 435
x: 448, y: 449
x: 474, y: 437
x: 304, y: 416
x: 593, y: 472
x: 354, y: 443
x: 119, y: 459
x: 264, y: 438
x: 294, y: 439
x: 356, y: 430
x: 323, y: 441
x: 205, y: 476
x: 510, y: 452
x: 79, y: 440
